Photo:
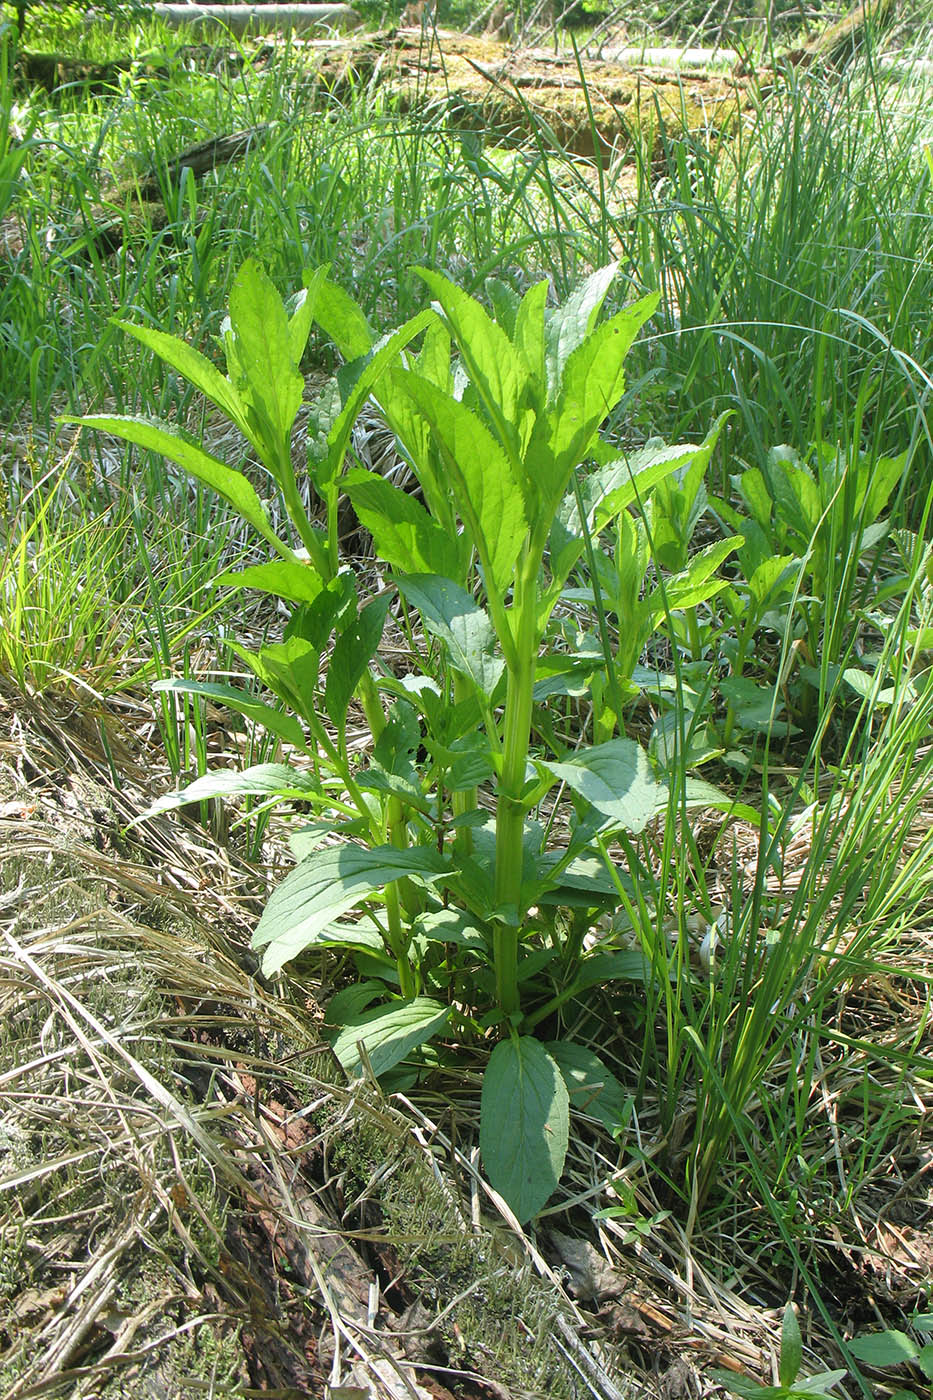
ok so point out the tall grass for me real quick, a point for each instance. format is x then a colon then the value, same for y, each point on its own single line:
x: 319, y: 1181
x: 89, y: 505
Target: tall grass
x: 794, y: 257
x: 794, y: 262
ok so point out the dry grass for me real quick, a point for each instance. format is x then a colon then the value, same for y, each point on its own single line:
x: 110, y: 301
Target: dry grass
x: 191, y: 1202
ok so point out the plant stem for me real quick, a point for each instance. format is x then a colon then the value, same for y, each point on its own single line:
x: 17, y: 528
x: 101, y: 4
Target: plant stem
x: 396, y: 833
x: 510, y: 817
x: 286, y: 475
x: 464, y: 802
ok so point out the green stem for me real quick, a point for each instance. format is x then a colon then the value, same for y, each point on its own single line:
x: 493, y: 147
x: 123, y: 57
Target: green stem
x: 738, y: 671
x: 298, y: 516
x: 333, y: 550
x: 465, y: 802
x: 510, y: 817
x: 399, y: 942
x: 693, y: 633
x: 612, y: 678
x: 400, y: 894
x: 368, y: 693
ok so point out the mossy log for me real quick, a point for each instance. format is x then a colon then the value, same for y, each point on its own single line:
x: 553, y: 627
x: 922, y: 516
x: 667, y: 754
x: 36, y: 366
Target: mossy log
x: 54, y: 70
x: 481, y: 84
x: 840, y: 41
x: 106, y: 225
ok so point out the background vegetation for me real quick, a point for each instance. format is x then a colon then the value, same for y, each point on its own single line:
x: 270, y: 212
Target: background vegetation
x: 770, y: 1137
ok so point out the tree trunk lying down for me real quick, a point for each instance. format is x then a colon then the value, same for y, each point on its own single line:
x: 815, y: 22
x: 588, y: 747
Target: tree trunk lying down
x: 255, y: 19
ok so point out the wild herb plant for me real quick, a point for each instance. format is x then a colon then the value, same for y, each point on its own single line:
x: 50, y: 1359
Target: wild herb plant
x: 791, y: 1385
x: 812, y: 532
x: 829, y: 888
x: 472, y: 915
x: 623, y: 581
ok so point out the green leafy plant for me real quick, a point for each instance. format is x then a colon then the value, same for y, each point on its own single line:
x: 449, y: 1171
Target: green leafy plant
x: 470, y: 919
x: 790, y: 1383
x: 813, y: 524
x: 625, y: 583
x: 894, y: 1348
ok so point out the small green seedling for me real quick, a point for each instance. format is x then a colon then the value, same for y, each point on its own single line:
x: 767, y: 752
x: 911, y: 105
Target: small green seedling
x: 790, y: 1383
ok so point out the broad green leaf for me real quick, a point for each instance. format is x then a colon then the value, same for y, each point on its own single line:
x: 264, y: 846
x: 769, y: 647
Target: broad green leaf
x: 271, y: 386
x: 284, y: 725
x: 797, y: 499
x: 696, y: 792
x: 592, y: 384
x: 328, y: 611
x: 297, y: 582
x: 675, y: 740
x: 388, y: 1033
x: 754, y: 491
x: 606, y: 493
x: 262, y: 779
x: 862, y: 682
x: 791, y: 1348
x: 622, y: 965
x: 450, y: 926
x: 565, y: 675
x: 680, y: 593
x: 339, y: 317
x: 289, y: 669
x: 823, y: 1381
x: 433, y: 362
x: 693, y: 586
x: 504, y: 301
x: 470, y: 762
x: 350, y: 1003
x: 615, y: 778
x: 885, y: 474
x: 592, y: 1089
x: 376, y: 779
x: 586, y: 877
x: 487, y: 491
x: 811, y: 1388
x: 495, y: 368
x: 570, y: 324
x: 529, y: 333
x: 925, y: 1360
x: 751, y: 1389
x: 524, y: 1122
x: 755, y: 704
x: 356, y: 383
x: 302, y: 317
x: 768, y: 575
x: 416, y: 443
x: 353, y: 650
x: 180, y: 447
x: 403, y: 532
x: 305, y: 839
x: 326, y: 885
x: 621, y: 483
x: 884, y: 1348
x: 451, y: 615
x: 195, y: 367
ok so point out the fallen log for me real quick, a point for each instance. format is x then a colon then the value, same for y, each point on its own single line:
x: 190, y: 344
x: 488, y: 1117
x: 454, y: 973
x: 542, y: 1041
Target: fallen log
x: 136, y: 203
x: 482, y: 85
x: 251, y: 19
x: 672, y: 57
x: 841, y: 41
